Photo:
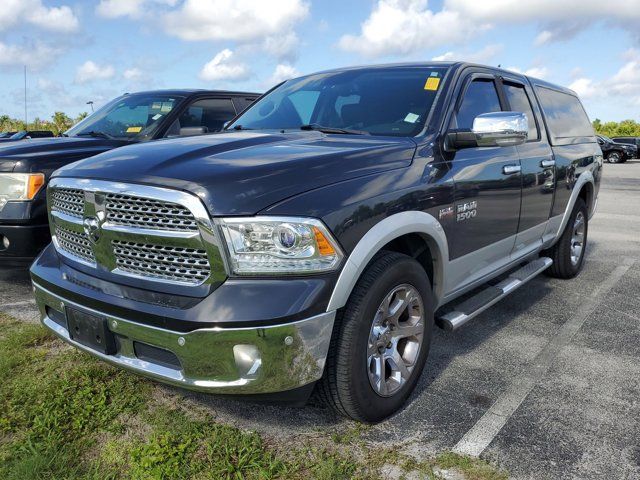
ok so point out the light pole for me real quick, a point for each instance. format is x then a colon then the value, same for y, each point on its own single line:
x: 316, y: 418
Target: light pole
x: 90, y: 103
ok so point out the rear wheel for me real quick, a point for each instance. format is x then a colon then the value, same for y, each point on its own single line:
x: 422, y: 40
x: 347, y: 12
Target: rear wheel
x: 381, y: 340
x: 568, y: 253
x: 614, y: 157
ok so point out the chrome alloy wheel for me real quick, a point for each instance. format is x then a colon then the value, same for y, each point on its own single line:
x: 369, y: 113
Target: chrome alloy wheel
x: 395, y: 340
x: 577, y: 238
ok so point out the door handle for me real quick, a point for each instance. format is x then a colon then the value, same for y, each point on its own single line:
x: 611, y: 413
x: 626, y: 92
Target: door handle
x: 511, y: 169
x: 547, y: 163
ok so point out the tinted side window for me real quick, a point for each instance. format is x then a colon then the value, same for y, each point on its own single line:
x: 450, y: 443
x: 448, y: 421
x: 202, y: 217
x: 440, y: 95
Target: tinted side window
x: 211, y: 113
x: 519, y: 102
x: 564, y: 114
x: 480, y: 97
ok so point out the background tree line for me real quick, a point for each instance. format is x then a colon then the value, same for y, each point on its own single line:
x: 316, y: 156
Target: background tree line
x: 59, y: 123
x: 626, y: 128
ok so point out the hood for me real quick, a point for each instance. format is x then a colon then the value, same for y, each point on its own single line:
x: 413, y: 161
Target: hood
x: 241, y: 173
x: 48, y: 154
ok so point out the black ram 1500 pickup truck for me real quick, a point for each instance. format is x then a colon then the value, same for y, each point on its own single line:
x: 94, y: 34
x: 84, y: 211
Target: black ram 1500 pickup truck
x: 25, y: 166
x: 320, y: 240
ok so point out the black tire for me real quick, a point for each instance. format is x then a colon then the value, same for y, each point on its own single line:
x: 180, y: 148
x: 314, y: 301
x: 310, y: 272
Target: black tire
x: 614, y: 157
x: 345, y: 385
x: 561, y: 253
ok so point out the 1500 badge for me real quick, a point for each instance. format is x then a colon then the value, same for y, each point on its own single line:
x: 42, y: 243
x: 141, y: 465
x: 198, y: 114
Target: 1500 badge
x: 465, y: 211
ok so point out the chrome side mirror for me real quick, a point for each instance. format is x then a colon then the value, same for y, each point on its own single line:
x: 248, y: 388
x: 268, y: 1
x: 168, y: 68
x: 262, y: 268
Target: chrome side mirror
x: 501, y: 129
x: 497, y: 129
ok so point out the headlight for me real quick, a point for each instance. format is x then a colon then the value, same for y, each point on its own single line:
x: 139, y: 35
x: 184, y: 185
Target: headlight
x: 279, y: 246
x: 19, y: 186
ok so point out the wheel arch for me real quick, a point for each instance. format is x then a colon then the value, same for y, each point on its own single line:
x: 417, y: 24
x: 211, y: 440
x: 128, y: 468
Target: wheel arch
x: 402, y: 233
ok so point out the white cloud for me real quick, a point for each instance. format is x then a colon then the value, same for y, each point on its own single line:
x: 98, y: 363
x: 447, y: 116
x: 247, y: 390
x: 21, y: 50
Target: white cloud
x: 35, y: 55
x: 239, y: 20
x: 585, y: 88
x: 224, y: 67
x: 624, y: 84
x: 55, y: 19
x: 130, y: 8
x: 133, y: 74
x: 402, y: 27
x: 483, y: 55
x: 282, y: 72
x: 90, y: 71
x: 560, y: 20
x: 536, y: 72
x: 283, y: 47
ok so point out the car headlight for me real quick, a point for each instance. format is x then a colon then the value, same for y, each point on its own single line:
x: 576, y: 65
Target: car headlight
x: 279, y: 246
x: 19, y: 186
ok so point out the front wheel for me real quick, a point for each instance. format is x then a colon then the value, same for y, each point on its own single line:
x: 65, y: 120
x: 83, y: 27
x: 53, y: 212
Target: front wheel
x: 568, y: 253
x: 381, y: 340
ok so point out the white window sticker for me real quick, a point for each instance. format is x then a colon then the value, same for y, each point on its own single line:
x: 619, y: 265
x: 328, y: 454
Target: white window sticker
x: 411, y: 118
x: 156, y: 116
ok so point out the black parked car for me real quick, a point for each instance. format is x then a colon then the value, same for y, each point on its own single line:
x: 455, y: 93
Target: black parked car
x: 27, y: 134
x: 25, y: 167
x: 317, y: 241
x: 629, y: 141
x: 615, y: 152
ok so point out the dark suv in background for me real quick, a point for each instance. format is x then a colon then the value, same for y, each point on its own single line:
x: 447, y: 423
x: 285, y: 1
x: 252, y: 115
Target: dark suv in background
x: 629, y: 141
x: 616, y: 152
x: 27, y: 134
x: 25, y: 167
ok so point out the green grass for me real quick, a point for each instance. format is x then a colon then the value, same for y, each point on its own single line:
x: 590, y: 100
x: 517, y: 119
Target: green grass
x: 66, y: 416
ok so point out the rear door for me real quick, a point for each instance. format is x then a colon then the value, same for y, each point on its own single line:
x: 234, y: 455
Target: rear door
x: 538, y: 168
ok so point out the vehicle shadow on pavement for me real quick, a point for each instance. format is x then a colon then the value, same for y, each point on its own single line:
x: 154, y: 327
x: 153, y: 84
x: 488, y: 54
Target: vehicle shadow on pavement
x: 436, y: 387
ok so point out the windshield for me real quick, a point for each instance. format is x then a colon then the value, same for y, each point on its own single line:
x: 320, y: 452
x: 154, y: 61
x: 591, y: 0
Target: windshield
x: 18, y: 135
x: 131, y: 117
x: 606, y: 139
x: 379, y: 101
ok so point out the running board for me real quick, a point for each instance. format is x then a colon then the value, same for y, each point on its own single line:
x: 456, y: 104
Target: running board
x: 477, y: 304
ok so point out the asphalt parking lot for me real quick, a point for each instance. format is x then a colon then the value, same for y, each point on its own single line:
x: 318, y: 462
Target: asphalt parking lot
x: 545, y: 384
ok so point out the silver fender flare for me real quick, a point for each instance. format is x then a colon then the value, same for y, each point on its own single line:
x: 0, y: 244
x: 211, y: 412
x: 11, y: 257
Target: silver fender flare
x: 382, y: 233
x: 584, y: 178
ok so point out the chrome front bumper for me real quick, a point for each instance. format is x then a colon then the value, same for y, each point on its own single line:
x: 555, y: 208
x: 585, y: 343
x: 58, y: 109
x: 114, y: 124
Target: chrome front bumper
x: 218, y: 360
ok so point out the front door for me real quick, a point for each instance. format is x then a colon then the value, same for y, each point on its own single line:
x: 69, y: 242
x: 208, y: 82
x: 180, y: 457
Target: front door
x: 488, y: 186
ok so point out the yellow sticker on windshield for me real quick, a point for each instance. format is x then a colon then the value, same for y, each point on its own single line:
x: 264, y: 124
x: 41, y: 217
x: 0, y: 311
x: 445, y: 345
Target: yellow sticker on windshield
x: 134, y: 129
x: 432, y: 83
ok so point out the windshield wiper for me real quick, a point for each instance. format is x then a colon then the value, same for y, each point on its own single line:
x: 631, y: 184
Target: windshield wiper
x: 96, y: 134
x: 240, y: 127
x: 323, y: 129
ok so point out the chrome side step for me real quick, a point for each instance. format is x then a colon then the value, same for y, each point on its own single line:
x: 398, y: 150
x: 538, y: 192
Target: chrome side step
x: 469, y: 308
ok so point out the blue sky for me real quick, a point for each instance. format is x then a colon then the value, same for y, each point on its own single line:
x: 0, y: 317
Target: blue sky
x: 95, y: 50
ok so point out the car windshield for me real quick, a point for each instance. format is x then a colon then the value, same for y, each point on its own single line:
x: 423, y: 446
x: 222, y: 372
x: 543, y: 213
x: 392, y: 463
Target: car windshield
x: 132, y: 117
x: 377, y: 101
x: 606, y: 139
x: 18, y: 135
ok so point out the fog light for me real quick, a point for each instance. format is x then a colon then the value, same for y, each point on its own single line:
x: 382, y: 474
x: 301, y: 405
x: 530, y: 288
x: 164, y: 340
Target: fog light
x: 247, y: 359
x: 5, y: 242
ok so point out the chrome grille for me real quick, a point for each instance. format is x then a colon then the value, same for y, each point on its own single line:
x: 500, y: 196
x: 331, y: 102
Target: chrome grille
x: 137, y: 231
x: 140, y: 212
x: 75, y: 244
x: 69, y: 201
x: 178, y: 264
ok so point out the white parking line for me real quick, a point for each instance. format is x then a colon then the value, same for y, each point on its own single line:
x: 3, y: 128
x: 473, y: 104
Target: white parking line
x: 476, y: 440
